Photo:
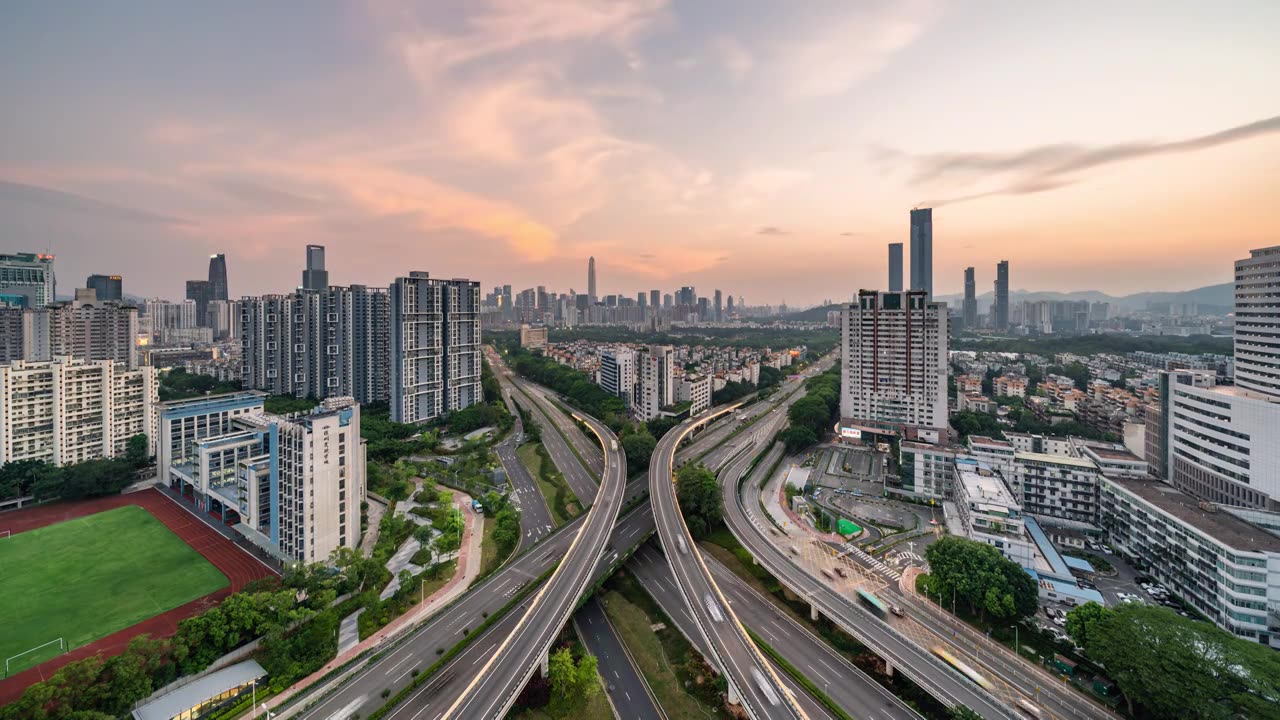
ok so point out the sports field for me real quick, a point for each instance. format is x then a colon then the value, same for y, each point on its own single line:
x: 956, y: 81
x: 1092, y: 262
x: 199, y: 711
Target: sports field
x: 86, y: 578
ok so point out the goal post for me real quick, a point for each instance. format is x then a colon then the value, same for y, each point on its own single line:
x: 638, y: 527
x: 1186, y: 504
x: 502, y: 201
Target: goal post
x: 62, y: 647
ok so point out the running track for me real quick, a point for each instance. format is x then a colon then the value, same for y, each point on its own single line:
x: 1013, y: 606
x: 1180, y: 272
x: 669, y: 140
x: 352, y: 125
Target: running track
x: 239, y: 566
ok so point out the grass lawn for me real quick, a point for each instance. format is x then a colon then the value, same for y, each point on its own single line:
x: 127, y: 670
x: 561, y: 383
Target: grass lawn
x: 560, y: 500
x: 86, y: 578
x: 490, y: 559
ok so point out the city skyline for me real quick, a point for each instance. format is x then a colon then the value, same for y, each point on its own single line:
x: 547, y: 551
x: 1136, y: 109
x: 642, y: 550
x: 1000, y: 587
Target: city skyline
x: 571, y: 131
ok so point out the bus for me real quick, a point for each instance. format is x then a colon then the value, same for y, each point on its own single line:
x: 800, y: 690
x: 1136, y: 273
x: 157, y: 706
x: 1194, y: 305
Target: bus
x: 713, y: 608
x: 962, y: 667
x: 1028, y: 709
x: 827, y: 573
x: 874, y: 604
x: 766, y: 687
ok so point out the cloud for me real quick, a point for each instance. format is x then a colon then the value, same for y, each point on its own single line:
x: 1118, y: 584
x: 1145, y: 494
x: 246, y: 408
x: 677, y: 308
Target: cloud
x: 733, y: 57
x: 1049, y: 167
x: 771, y: 181
x: 59, y: 200
x: 841, y: 52
x: 771, y: 230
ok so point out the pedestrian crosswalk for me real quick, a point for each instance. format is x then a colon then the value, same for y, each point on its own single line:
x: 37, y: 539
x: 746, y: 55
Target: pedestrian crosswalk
x: 851, y: 549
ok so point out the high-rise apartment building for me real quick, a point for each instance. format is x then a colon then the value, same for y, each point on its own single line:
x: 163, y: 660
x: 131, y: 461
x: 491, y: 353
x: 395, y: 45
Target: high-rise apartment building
x: 292, y: 485
x: 106, y: 287
x: 894, y: 370
x: 68, y: 410
x: 27, y: 280
x: 315, y: 277
x: 166, y: 315
x: 922, y: 250
x: 435, y: 347
x: 591, y: 280
x: 618, y: 373
x: 218, y: 277
x: 370, y: 343
x: 1257, y: 321
x: 89, y: 330
x: 1000, y: 306
x: 895, y: 267
x: 656, y: 381
x: 655, y: 299
x: 970, y: 307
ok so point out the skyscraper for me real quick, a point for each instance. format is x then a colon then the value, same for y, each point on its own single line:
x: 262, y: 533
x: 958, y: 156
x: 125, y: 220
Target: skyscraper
x: 1000, y: 310
x: 198, y: 291
x: 719, y: 306
x: 922, y: 250
x: 895, y: 267
x: 218, y: 277
x: 315, y: 277
x: 435, y: 347
x: 729, y: 305
x: 27, y: 280
x: 106, y: 287
x: 655, y: 298
x: 894, y: 369
x: 970, y: 307
x: 1257, y: 329
x: 591, y: 279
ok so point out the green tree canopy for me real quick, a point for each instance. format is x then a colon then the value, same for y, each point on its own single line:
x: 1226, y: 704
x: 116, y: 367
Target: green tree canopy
x: 980, y: 575
x: 699, y: 496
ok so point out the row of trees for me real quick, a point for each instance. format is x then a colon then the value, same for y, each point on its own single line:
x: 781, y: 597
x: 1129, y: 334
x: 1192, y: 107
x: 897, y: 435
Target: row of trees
x: 178, y: 384
x: 812, y: 415
x: 978, y: 574
x: 90, y: 478
x: 573, y: 384
x: 818, y: 340
x: 1174, y: 667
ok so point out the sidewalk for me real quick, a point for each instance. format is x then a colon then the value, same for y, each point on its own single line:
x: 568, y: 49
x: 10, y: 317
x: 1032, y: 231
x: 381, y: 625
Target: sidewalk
x: 468, y: 569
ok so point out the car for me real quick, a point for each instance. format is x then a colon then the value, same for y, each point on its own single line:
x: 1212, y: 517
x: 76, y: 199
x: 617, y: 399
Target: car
x: 1060, y: 621
x: 897, y: 611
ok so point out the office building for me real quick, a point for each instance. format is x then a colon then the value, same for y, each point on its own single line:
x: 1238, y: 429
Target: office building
x: 533, y: 337
x: 27, y: 280
x: 895, y: 267
x: 198, y: 292
x: 719, y: 307
x: 106, y: 287
x: 591, y: 280
x: 1057, y: 486
x: 1223, y: 566
x: 68, y: 410
x: 165, y: 315
x: 218, y: 278
x: 924, y: 471
x: 729, y: 305
x: 435, y: 347
x: 655, y: 381
x: 922, y: 250
x: 894, y: 369
x: 292, y: 485
x: 1000, y: 306
x: 315, y: 277
x: 618, y: 373
x: 655, y: 299
x: 970, y: 308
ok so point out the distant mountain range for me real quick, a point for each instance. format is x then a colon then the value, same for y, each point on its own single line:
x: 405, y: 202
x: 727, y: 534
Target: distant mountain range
x: 1211, y: 298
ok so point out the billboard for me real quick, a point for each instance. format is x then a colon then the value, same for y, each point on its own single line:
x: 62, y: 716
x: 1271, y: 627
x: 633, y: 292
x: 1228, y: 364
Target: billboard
x: 850, y: 433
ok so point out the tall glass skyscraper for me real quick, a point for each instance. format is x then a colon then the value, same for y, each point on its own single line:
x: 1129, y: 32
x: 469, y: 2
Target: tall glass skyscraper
x: 970, y: 307
x: 895, y: 267
x: 315, y: 277
x: 922, y: 250
x: 218, y: 277
x: 1000, y: 310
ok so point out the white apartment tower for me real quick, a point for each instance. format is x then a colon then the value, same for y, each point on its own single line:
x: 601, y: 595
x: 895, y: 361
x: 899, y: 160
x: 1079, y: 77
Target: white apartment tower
x: 68, y: 410
x: 1257, y: 326
x: 894, y: 370
x: 656, y: 386
x: 618, y: 373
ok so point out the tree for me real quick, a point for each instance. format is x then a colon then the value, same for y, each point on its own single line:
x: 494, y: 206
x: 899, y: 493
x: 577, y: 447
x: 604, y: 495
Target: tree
x: 1178, y: 667
x: 660, y: 425
x: 699, y: 496
x: 638, y: 447
x: 980, y: 575
x: 797, y: 438
x: 561, y: 674
x: 1081, y: 620
x: 136, y: 452
x: 962, y: 712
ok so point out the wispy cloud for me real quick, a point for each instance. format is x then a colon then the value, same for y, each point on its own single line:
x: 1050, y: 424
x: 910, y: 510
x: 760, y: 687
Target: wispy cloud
x: 1049, y: 167
x: 771, y: 230
x: 63, y: 201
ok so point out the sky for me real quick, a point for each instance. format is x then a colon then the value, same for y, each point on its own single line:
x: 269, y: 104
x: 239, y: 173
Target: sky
x: 768, y: 148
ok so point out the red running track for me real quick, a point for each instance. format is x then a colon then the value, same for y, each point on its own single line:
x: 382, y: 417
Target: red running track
x: 240, y: 567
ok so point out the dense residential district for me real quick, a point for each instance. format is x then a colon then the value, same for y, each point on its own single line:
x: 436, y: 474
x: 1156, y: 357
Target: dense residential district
x: 425, y: 500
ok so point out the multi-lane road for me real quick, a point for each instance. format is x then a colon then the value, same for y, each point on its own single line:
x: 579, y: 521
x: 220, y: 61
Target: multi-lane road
x: 753, y: 682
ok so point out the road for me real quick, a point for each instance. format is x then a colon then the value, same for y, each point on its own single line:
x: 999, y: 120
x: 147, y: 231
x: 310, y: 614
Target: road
x: 921, y: 666
x: 535, y: 517
x: 493, y: 689
x: 842, y: 681
x: 627, y: 690
x: 752, y: 680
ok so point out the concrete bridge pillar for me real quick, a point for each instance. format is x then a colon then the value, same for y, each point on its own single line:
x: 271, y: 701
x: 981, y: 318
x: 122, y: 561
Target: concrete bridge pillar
x: 814, y: 615
x: 734, y: 697
x: 888, y: 669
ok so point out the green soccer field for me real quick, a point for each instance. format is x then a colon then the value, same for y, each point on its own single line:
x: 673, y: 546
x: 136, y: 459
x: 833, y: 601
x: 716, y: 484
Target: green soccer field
x: 86, y: 578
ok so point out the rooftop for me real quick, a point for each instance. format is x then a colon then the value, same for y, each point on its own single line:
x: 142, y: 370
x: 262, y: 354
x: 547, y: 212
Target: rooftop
x: 193, y: 694
x: 988, y: 488
x: 1054, y: 459
x: 1111, y: 453
x: 984, y: 440
x: 1217, y: 524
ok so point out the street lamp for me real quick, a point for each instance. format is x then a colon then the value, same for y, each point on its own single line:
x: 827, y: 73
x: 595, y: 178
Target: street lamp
x: 1017, y: 647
